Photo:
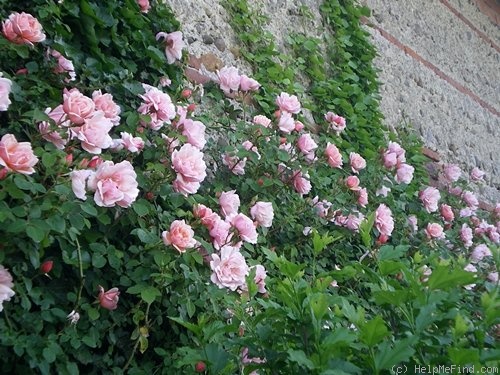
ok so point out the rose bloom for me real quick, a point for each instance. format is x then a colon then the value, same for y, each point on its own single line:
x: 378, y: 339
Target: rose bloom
x: 383, y: 220
x: 430, y: 198
x: 180, y: 185
x: 479, y: 252
x: 248, y: 84
x: 261, y: 120
x: 23, y: 28
x: 173, y: 45
x: 363, y: 197
x: 452, y: 172
x: 404, y: 174
x: 229, y: 79
x: 79, y: 182
x: 105, y: 103
x: 206, y: 215
x: 352, y: 221
x: 263, y: 213
x: 5, y: 87
x: 299, y: 126
x: 306, y: 144
x: 334, y: 158
x: 466, y: 235
x: 301, y: 184
x: 249, y: 146
x: 434, y: 231
x: 158, y: 105
x: 109, y: 299
x: 77, y: 106
x: 337, y: 123
x: 6, y: 285
x: 63, y: 65
x: 194, y: 131
x: 188, y: 161
x: 17, y: 156
x: 180, y: 236
x: 447, y: 213
x: 114, y: 184
x: 229, y: 268
x: 132, y: 144
x: 246, y: 228
x: 220, y: 232
x: 352, y: 183
x: 94, y: 134
x: 383, y: 191
x: 476, y: 174
x: 229, y: 202
x: 288, y: 103
x: 413, y: 222
x: 234, y: 163
x: 493, y: 277
x: 260, y: 278
x: 286, y: 123
x: 144, y: 5
x: 394, y: 155
x: 470, y: 199
x: 357, y: 162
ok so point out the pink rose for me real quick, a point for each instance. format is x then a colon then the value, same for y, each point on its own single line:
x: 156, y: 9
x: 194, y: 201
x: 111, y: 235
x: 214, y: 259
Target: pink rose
x: 383, y: 220
x: 60, y: 119
x: 447, y: 213
x: 394, y: 155
x: 299, y: 126
x: 23, y: 28
x: 194, y: 131
x: 158, y: 106
x: 480, y: 251
x: 229, y: 79
x: 434, y: 231
x: 357, y: 162
x: 334, y: 158
x: 352, y: 221
x: 404, y: 173
x: 248, y: 84
x: 144, y: 5
x: 362, y: 197
x: 263, y: 213
x: 390, y: 159
x: 77, y: 106
x: 247, y: 145
x: 114, y: 184
x: 430, y: 198
x: 180, y: 185
x: 337, y: 123
x: 6, y: 285
x: 413, y: 223
x: 492, y: 276
x: 229, y: 202
x: 246, y: 228
x: 109, y: 299
x: 220, y: 232
x: 94, y: 133
x: 452, y: 172
x: 286, y: 123
x: 188, y: 161
x: 79, y: 182
x: 173, y: 45
x: 260, y: 278
x: 17, y: 156
x: 105, y: 103
x: 301, y: 183
x: 470, y: 199
x: 306, y: 144
x: 132, y: 144
x: 383, y: 191
x: 5, y: 87
x: 476, y: 174
x: 352, y: 183
x: 63, y: 65
x: 234, y: 163
x: 180, y: 236
x: 206, y: 215
x: 288, y: 103
x: 261, y: 120
x: 229, y: 268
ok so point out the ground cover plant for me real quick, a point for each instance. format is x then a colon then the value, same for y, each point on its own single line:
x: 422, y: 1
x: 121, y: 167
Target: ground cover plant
x: 155, y: 226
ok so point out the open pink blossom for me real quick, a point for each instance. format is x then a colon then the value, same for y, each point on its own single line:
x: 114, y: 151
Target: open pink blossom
x: 63, y: 65
x: 245, y: 227
x: 413, y: 222
x: 105, y: 103
x: 263, y: 213
x: 249, y: 146
x: 261, y: 120
x: 466, y: 235
x: 352, y: 183
x: 286, y: 123
x: 144, y: 5
x: 301, y: 183
x: 353, y: 221
x: 480, y: 251
x: 229, y: 268
x: 362, y: 197
x: 114, y: 184
x: 184, y: 187
x: 206, y: 215
x: 17, y: 156
x: 220, y: 232
x: 6, y: 285
x: 383, y: 220
x: 288, y: 103
x: 108, y: 299
x: 77, y: 106
x: 23, y: 28
x: 173, y: 45
x: 394, y: 155
x: 404, y: 173
x: 132, y: 144
x: 79, y: 182
x: 229, y: 79
x: 333, y: 156
x: 357, y: 162
x: 234, y: 163
x: 447, y: 213
x: 180, y: 236
x: 94, y: 134
x: 434, y: 231
x: 306, y: 144
x: 158, y: 105
x: 470, y: 199
x: 430, y: 197
x: 194, y: 131
x: 260, y: 277
x: 452, y: 172
x: 188, y: 161
x: 248, y: 84
x: 476, y: 174
x: 5, y: 87
x: 229, y: 202
x: 337, y: 123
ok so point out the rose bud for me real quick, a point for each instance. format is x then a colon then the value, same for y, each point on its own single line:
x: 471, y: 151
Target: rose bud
x: 186, y: 93
x: 68, y: 159
x: 22, y: 71
x: 46, y: 266
x: 200, y: 366
x: 109, y: 299
x: 191, y: 107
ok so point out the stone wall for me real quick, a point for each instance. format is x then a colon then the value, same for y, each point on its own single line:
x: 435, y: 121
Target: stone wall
x: 439, y: 66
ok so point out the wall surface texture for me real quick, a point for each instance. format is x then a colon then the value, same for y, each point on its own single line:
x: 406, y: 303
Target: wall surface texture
x: 439, y: 66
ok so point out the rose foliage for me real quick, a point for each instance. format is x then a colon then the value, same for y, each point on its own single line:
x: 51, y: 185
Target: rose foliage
x: 150, y: 225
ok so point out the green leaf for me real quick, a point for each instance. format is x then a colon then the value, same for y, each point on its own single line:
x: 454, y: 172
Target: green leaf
x: 319, y: 305
x: 98, y: 260
x: 401, y: 351
x: 365, y: 228
x: 89, y: 208
x: 192, y: 327
x: 299, y: 357
x: 374, y: 331
x: 35, y: 233
x: 391, y: 297
x: 146, y: 236
x: 141, y: 207
x: 443, y: 277
x: 149, y: 294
